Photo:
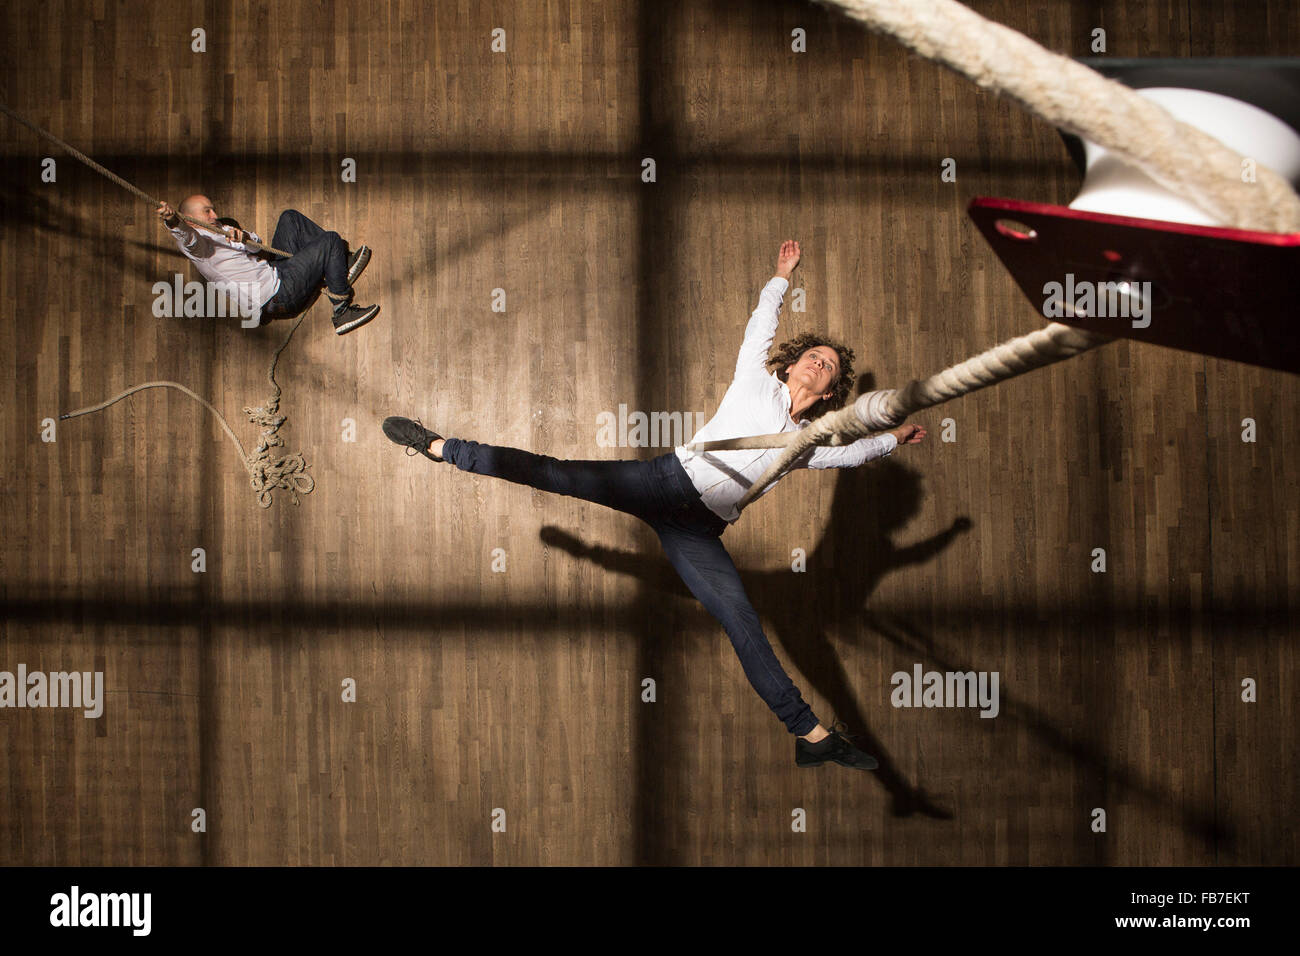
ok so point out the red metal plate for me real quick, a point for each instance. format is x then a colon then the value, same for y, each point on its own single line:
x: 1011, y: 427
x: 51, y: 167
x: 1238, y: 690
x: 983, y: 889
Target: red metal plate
x: 1229, y: 293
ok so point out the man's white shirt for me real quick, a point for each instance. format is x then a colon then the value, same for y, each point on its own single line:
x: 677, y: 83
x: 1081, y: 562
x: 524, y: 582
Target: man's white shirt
x: 222, y: 259
x: 759, y: 403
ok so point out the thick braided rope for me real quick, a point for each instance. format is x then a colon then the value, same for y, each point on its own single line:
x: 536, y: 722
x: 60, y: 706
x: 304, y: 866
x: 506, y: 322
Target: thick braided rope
x: 1078, y: 99
x: 888, y: 408
x: 1052, y: 343
x: 265, y: 474
x: 112, y: 176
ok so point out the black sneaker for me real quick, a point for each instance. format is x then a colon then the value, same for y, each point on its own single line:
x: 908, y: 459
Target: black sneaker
x: 357, y: 263
x: 412, y: 434
x: 835, y: 746
x: 348, y: 317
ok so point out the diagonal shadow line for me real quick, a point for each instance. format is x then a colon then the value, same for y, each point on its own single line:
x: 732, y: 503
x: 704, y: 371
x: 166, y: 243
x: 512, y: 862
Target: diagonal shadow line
x: 1198, y: 823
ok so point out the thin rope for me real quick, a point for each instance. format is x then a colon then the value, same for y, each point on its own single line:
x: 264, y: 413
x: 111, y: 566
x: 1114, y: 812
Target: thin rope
x: 1182, y: 158
x: 140, y: 193
x: 141, y: 387
x: 265, y: 474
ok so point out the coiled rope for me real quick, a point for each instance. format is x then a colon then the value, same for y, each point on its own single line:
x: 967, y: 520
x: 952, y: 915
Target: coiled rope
x: 265, y: 474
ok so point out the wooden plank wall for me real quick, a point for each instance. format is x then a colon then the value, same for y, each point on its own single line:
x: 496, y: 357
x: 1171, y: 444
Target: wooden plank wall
x: 520, y: 689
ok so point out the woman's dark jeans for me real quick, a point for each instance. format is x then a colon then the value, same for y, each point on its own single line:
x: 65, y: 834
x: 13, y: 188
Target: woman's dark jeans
x: 317, y: 255
x: 660, y: 493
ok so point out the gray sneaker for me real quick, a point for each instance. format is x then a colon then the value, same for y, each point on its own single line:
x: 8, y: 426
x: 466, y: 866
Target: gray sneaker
x: 357, y: 263
x: 412, y: 434
x: 348, y: 317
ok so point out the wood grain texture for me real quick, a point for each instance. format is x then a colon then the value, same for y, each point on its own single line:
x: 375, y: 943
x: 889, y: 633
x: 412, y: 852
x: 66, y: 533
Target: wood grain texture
x: 520, y: 689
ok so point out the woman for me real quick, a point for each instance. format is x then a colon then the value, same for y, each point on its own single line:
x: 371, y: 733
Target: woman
x: 689, y: 498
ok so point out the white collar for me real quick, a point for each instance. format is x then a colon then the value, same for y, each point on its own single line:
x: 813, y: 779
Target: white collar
x: 789, y: 404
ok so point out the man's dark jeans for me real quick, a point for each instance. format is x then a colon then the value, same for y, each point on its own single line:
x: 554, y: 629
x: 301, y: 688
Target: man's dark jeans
x: 660, y: 493
x: 317, y: 254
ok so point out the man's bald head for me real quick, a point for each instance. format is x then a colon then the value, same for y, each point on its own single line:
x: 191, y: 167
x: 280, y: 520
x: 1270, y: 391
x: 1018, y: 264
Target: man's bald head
x: 198, y: 207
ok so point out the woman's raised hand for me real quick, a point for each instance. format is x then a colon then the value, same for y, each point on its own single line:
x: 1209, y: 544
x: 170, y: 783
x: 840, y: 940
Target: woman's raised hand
x: 787, y: 258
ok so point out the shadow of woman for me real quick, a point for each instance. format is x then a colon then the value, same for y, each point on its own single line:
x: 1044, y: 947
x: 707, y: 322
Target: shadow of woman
x: 864, y: 536
x: 856, y: 550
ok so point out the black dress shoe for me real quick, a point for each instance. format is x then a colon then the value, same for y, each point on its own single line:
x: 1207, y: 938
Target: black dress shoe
x: 403, y: 431
x: 836, y: 747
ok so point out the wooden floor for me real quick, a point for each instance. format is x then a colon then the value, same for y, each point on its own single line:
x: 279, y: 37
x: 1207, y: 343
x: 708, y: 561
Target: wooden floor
x: 516, y: 694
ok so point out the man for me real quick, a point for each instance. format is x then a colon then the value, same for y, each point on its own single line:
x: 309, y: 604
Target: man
x: 285, y: 286
x: 689, y: 499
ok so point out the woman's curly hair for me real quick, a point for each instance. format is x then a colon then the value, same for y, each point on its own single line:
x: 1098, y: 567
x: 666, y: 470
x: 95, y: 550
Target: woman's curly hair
x: 788, y: 353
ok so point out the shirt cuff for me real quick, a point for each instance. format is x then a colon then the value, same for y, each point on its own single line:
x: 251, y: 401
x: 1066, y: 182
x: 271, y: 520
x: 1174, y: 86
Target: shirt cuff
x: 784, y: 284
x: 891, y: 440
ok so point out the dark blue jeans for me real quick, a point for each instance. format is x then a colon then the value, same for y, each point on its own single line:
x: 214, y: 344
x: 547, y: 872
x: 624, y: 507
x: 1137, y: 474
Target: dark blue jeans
x: 660, y: 493
x: 317, y: 254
